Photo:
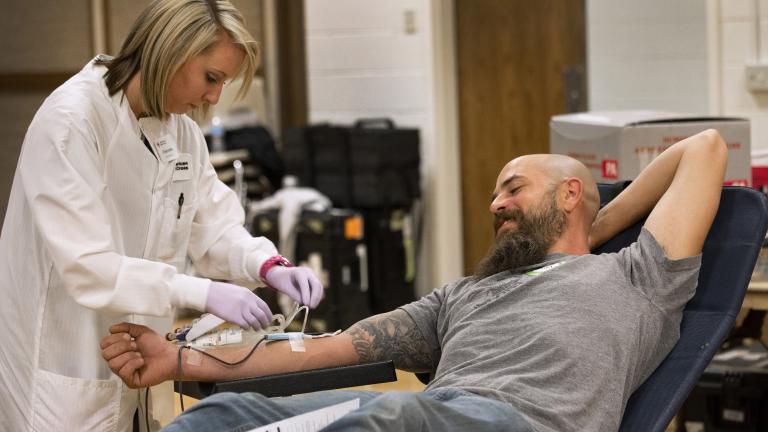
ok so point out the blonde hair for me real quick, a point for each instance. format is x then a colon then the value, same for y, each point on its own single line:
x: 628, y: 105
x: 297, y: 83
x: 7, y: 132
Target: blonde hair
x: 167, y: 34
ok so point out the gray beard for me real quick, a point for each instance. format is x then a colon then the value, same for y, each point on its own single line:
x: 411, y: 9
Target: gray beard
x: 528, y: 243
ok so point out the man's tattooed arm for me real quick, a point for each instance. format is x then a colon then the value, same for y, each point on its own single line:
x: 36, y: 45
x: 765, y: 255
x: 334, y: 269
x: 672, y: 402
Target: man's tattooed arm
x: 392, y: 336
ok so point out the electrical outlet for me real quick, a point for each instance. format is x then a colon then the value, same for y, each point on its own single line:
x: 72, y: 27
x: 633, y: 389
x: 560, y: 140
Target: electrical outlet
x: 409, y: 18
x: 757, y: 77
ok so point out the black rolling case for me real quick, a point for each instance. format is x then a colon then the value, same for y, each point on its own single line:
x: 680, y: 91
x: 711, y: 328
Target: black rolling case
x: 385, y: 164
x: 318, y: 156
x: 371, y: 165
x: 391, y: 250
x: 332, y: 241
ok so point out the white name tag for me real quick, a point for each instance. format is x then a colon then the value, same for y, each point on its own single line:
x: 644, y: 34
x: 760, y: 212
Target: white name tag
x: 166, y: 150
x: 182, y: 168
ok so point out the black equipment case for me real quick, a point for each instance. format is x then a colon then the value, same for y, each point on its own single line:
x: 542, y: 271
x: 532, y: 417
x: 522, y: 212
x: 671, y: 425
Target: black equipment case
x: 371, y: 165
x: 392, y: 258
x: 332, y: 241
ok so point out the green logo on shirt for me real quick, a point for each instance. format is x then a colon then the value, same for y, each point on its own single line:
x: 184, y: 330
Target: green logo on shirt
x: 539, y: 271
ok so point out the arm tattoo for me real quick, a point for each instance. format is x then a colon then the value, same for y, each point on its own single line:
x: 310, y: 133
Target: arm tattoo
x: 392, y: 336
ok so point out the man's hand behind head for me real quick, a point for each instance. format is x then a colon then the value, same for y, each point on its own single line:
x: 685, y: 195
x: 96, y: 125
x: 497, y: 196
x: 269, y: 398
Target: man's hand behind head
x: 138, y: 355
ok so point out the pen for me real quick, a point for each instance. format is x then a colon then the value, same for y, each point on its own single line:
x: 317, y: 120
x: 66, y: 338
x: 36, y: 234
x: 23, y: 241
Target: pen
x: 181, y: 203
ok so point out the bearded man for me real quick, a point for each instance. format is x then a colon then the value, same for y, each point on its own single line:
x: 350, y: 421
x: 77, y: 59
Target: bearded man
x: 544, y: 336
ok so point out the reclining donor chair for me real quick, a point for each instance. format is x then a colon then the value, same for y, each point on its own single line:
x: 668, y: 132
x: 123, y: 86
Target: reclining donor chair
x: 729, y: 255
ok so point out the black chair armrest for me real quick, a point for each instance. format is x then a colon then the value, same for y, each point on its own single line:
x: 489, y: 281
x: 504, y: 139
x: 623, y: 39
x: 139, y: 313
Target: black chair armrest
x: 296, y: 382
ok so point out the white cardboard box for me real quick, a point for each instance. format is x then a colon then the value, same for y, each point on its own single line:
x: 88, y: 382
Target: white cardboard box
x: 617, y: 145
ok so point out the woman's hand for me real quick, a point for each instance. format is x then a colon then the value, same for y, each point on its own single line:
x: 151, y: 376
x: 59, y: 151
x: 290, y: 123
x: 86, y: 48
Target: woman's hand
x: 238, y: 305
x: 298, y: 283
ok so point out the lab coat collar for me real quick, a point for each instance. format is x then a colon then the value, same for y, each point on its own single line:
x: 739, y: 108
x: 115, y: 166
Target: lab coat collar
x: 157, y: 132
x: 160, y: 139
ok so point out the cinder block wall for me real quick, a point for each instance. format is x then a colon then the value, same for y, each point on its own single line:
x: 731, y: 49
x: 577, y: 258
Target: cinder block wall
x: 687, y: 55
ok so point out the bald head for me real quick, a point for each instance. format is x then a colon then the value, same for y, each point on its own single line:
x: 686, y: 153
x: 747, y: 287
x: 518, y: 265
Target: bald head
x: 554, y: 170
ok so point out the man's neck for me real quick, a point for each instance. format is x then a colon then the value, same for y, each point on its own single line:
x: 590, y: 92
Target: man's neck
x: 571, y: 243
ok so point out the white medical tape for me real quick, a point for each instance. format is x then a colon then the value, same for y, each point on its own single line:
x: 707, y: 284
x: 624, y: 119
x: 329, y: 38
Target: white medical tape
x: 194, y: 357
x: 297, y: 342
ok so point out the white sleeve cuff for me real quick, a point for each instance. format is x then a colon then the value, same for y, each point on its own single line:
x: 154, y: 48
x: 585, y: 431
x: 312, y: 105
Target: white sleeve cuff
x: 246, y: 257
x: 253, y: 264
x: 189, y: 292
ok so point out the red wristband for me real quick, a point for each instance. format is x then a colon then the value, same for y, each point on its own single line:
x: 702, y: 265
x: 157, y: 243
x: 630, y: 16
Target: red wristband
x: 271, y: 262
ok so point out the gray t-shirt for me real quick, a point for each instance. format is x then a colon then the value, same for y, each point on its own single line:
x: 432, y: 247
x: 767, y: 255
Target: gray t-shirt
x: 565, y: 342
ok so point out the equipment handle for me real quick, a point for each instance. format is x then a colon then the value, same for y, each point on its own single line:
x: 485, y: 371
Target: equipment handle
x: 384, y: 123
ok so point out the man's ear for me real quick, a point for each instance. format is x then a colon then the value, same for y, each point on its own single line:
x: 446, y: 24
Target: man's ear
x: 571, y: 192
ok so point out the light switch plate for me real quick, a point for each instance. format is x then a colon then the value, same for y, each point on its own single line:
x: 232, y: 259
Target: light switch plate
x: 757, y: 77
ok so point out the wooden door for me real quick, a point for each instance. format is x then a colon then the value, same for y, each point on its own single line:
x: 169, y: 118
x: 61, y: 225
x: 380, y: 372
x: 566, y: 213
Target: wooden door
x: 514, y: 59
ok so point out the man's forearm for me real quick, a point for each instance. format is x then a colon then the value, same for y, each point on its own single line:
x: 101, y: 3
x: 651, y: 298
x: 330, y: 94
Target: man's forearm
x: 272, y: 358
x: 389, y: 336
x: 645, y: 191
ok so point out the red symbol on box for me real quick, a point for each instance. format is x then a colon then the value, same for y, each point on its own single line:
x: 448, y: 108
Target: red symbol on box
x: 739, y: 182
x: 610, y: 169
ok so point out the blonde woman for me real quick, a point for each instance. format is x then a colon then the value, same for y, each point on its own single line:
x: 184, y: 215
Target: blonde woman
x: 113, y: 193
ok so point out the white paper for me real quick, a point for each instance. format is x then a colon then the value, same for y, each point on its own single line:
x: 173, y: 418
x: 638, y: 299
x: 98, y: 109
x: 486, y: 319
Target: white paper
x: 203, y: 326
x: 313, y: 420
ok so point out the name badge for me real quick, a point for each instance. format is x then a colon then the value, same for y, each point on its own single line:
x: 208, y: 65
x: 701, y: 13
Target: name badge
x: 182, y: 168
x: 166, y: 151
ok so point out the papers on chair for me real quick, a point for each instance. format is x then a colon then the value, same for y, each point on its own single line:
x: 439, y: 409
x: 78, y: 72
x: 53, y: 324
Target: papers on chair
x: 313, y: 420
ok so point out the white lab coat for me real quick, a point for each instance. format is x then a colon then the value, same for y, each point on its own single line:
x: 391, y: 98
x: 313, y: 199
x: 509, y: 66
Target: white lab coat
x: 94, y: 235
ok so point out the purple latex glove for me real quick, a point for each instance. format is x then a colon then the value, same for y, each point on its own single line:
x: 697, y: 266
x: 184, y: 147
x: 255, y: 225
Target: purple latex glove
x: 237, y: 305
x: 298, y: 283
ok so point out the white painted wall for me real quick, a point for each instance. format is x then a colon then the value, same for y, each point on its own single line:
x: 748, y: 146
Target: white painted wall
x: 649, y: 54
x: 742, y: 42
x: 683, y: 55
x: 362, y: 63
x: 370, y: 58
